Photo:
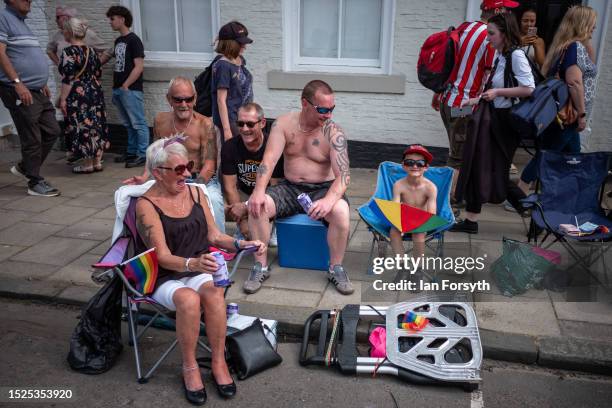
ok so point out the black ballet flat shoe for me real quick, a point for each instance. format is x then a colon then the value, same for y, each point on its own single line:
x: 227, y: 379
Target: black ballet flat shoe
x: 226, y: 391
x: 197, y: 397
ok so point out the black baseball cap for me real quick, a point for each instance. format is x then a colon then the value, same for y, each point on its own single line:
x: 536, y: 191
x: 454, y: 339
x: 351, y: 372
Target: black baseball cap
x: 235, y: 31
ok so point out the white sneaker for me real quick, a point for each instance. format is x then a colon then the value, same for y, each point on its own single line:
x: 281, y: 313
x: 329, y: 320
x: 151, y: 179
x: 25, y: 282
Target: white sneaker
x: 508, y: 207
x: 273, y: 240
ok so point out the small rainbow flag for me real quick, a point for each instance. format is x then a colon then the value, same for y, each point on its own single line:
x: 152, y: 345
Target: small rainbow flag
x: 413, y: 321
x: 141, y: 271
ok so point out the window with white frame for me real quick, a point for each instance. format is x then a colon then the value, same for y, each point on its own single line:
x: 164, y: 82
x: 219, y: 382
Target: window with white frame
x: 338, y: 35
x: 176, y: 31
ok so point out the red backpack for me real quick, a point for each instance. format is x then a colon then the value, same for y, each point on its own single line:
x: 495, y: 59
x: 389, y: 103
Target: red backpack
x: 439, y: 58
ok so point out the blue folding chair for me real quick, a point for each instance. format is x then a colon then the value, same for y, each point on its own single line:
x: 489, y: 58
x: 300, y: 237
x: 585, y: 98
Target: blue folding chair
x: 570, y: 194
x: 388, y: 174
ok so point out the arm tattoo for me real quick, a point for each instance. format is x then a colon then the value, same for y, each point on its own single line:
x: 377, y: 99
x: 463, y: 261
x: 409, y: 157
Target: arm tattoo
x: 144, y: 230
x: 262, y: 169
x: 315, y: 142
x: 339, y: 143
x: 211, y: 144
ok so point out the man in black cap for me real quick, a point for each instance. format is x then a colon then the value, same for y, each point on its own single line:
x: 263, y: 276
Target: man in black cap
x: 232, y: 83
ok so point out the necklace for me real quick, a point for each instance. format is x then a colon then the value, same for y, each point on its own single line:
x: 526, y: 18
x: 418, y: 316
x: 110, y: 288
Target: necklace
x: 176, y: 131
x: 300, y: 125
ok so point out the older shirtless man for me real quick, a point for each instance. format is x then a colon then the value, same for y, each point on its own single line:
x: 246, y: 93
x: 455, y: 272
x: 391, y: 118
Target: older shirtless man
x: 316, y: 163
x: 200, y: 141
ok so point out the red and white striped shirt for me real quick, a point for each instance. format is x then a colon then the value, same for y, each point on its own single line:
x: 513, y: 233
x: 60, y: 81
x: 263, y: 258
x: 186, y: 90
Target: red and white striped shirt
x: 475, y: 61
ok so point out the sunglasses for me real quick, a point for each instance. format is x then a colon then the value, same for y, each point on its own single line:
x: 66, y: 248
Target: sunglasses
x: 250, y: 125
x: 320, y: 109
x: 418, y: 163
x: 180, y: 169
x: 188, y: 99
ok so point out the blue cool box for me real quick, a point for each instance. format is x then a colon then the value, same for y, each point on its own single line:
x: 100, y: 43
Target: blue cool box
x: 302, y: 243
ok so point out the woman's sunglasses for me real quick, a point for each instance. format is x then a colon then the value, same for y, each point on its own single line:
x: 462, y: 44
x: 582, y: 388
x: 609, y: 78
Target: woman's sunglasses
x: 188, y: 99
x: 180, y: 169
x: 418, y: 163
x: 250, y: 125
x: 320, y: 109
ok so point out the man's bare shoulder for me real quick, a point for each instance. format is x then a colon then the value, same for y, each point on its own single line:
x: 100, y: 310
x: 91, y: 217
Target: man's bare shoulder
x: 202, y: 120
x: 400, y: 185
x: 163, y: 117
x: 332, y: 130
x: 286, y: 121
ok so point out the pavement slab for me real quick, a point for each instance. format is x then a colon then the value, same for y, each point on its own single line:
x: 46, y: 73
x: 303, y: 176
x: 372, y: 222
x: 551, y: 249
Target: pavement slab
x: 33, y: 203
x: 101, y: 249
x: 63, y: 215
x: 527, y: 317
x: 91, y: 228
x: 296, y: 279
x: 6, y: 251
x: 284, y: 297
x: 594, y: 312
x: 77, y: 272
x: 93, y: 199
x: 27, y: 270
x: 10, y: 217
x: 56, y: 251
x: 27, y: 233
x: 108, y: 213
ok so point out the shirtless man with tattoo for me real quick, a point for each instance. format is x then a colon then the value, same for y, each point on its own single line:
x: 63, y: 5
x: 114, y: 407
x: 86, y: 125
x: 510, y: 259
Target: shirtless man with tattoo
x: 317, y: 163
x: 200, y: 141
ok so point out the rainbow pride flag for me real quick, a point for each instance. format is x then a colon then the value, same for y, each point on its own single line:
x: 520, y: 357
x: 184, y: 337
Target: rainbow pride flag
x: 141, y: 271
x: 413, y: 321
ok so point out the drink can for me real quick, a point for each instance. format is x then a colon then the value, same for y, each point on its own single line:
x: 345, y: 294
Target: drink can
x: 221, y: 276
x: 232, y: 309
x: 305, y: 202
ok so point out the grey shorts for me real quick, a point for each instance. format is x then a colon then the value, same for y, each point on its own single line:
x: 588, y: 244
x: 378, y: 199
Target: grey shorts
x: 285, y: 194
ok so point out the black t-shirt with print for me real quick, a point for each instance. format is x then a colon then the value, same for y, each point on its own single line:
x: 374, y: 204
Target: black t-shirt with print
x: 127, y: 47
x: 237, y: 160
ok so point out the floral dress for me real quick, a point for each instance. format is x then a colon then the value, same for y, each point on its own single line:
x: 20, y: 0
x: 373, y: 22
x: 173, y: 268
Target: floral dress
x: 85, y: 122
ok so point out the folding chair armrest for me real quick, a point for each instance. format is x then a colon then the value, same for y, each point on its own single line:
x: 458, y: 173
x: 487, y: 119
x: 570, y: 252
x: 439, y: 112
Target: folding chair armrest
x: 127, y: 283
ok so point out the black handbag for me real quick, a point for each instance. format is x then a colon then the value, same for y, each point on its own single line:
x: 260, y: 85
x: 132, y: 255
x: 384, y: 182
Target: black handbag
x: 250, y: 351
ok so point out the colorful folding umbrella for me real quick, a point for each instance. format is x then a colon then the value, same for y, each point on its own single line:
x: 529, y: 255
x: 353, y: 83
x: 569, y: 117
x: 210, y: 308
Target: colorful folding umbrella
x: 404, y: 217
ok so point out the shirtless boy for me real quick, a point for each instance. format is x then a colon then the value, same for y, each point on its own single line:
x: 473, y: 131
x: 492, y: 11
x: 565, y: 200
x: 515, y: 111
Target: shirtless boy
x: 416, y: 191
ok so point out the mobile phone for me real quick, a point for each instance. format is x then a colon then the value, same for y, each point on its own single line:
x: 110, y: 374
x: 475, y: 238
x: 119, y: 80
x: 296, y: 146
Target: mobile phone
x: 532, y: 31
x: 250, y: 248
x: 461, y: 112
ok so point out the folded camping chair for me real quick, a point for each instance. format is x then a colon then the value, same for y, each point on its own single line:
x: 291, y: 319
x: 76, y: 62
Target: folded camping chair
x: 388, y: 174
x: 123, y: 248
x: 570, y: 194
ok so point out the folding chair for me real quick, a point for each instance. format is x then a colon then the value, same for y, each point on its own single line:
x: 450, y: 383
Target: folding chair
x: 125, y: 234
x: 570, y: 194
x: 388, y: 174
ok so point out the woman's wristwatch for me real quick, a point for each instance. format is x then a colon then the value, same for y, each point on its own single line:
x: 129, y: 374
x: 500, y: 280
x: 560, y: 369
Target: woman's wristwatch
x: 237, y: 245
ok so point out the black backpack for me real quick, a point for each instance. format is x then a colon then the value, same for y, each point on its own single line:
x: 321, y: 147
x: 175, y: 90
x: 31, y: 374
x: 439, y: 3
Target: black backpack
x: 202, y: 84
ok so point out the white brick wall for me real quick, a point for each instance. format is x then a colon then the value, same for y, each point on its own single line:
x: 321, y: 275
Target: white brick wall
x: 601, y: 118
x: 371, y: 117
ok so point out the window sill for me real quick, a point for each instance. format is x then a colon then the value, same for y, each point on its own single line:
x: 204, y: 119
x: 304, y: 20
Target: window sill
x: 166, y: 73
x: 368, y: 83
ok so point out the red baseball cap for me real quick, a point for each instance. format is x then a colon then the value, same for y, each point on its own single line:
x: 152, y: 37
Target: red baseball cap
x: 419, y: 149
x: 495, y: 4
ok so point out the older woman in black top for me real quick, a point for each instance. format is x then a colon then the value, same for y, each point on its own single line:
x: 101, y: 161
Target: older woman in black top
x: 176, y: 219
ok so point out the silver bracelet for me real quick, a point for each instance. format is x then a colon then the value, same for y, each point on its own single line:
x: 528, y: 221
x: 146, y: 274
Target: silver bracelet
x: 187, y: 264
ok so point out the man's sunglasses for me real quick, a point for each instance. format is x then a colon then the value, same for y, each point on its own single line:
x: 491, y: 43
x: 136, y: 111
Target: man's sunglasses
x: 418, y: 163
x: 180, y: 169
x: 250, y: 125
x: 188, y: 99
x: 320, y: 109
